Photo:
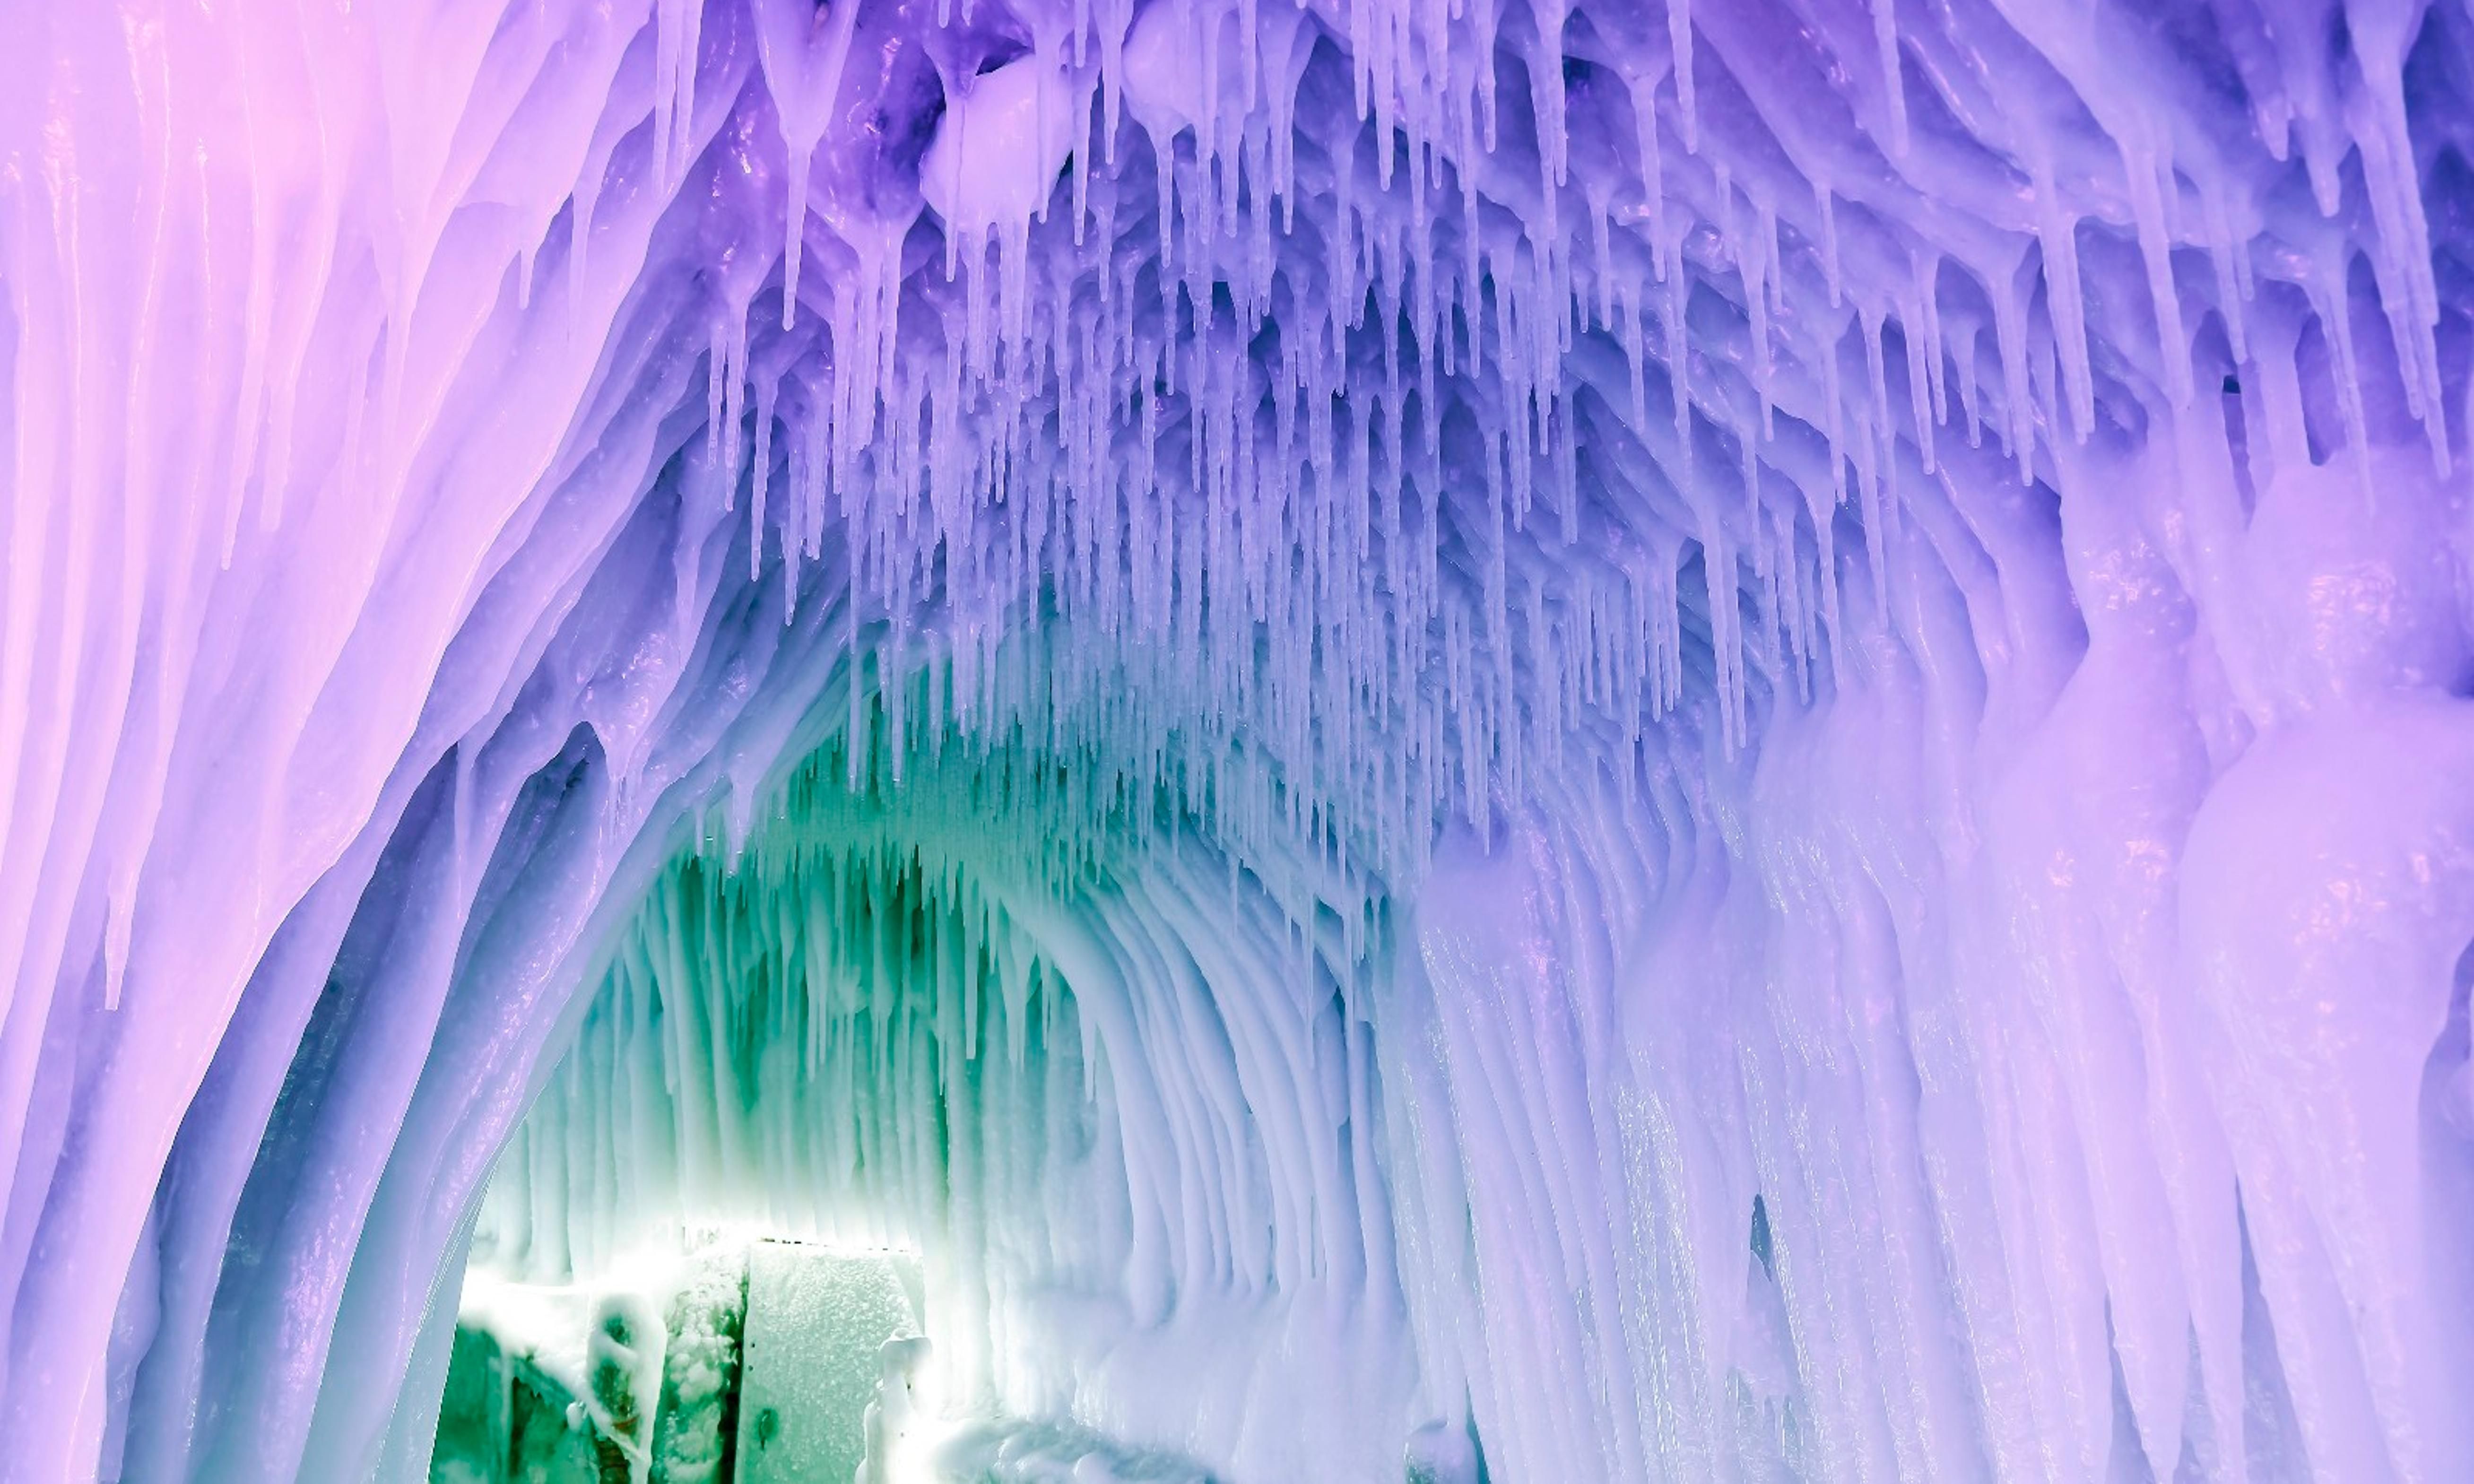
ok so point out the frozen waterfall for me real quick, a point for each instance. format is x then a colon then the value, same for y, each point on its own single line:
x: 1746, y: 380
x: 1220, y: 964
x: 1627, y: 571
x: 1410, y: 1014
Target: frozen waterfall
x: 1518, y: 740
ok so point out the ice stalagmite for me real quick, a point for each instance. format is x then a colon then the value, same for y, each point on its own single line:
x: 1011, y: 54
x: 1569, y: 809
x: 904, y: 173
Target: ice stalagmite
x: 1532, y: 740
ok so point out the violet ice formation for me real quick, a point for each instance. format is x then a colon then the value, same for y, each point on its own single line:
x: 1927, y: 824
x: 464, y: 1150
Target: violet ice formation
x: 1536, y: 740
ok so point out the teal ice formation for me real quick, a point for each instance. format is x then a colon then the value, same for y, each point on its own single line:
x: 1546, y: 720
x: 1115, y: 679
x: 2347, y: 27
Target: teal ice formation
x: 1290, y: 742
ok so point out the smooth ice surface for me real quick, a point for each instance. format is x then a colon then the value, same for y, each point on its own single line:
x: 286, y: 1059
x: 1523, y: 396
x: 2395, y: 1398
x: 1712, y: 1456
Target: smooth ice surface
x: 1675, y: 740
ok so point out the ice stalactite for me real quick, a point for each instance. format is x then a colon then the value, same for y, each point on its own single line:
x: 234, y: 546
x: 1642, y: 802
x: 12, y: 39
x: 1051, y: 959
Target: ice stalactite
x: 1656, y: 741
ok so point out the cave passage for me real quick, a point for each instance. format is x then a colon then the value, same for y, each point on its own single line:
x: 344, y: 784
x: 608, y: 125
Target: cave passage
x: 1277, y: 741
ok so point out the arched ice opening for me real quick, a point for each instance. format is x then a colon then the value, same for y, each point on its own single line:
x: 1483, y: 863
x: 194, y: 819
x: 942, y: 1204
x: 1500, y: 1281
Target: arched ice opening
x: 1530, y: 741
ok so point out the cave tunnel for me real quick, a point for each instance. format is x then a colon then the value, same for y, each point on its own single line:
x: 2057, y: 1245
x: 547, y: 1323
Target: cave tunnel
x: 1274, y: 741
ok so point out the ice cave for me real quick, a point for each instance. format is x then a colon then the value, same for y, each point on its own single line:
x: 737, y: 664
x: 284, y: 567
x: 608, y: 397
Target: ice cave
x: 1269, y: 742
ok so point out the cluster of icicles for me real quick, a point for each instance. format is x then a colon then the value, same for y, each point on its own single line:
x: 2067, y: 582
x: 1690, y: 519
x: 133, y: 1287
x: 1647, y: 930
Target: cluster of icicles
x: 1327, y: 422
x: 1119, y: 1100
x: 1398, y: 397
x: 458, y: 454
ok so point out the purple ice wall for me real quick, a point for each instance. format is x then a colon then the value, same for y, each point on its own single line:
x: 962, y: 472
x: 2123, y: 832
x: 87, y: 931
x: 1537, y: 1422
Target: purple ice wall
x: 1535, y: 740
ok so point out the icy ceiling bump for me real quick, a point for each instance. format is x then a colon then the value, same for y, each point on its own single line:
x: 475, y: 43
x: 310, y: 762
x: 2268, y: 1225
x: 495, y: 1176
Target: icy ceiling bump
x: 1690, y: 740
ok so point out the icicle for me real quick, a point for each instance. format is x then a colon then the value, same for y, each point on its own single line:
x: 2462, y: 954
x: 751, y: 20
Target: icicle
x: 2064, y: 301
x: 1894, y: 85
x: 1827, y: 202
x: 2150, y: 178
x: 1679, y: 32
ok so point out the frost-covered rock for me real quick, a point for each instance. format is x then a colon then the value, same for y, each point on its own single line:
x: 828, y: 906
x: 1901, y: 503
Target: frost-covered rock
x: 699, y: 1418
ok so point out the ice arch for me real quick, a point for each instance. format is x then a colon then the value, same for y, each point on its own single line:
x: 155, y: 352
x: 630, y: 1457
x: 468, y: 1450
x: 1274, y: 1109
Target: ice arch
x: 1743, y: 721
